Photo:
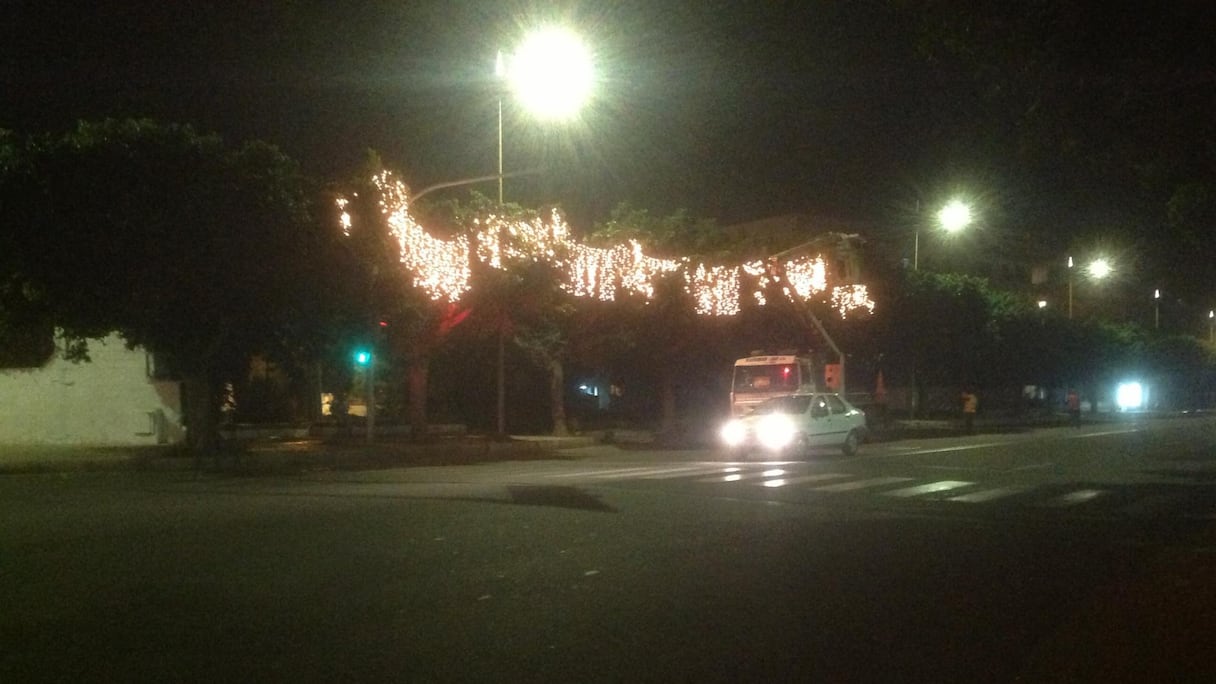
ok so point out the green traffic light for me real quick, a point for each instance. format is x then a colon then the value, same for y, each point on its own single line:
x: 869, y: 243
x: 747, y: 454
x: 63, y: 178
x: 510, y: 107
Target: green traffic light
x: 363, y: 357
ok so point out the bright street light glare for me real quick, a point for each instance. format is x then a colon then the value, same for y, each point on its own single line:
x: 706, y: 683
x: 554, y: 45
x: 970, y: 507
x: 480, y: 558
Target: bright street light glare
x: 954, y: 216
x: 1099, y: 268
x: 551, y: 73
x: 1129, y: 395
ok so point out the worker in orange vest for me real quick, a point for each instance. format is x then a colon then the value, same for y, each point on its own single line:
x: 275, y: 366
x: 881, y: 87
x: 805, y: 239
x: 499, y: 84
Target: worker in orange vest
x: 1073, y: 402
x: 971, y: 403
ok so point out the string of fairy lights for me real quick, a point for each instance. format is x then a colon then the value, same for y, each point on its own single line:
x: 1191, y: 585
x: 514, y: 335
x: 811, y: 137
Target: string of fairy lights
x: 443, y: 268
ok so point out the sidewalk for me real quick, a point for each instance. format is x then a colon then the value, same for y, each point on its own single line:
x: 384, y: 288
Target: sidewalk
x: 275, y: 455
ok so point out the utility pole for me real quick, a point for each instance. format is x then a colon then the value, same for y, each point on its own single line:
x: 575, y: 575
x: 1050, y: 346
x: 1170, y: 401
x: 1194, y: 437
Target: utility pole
x: 806, y: 310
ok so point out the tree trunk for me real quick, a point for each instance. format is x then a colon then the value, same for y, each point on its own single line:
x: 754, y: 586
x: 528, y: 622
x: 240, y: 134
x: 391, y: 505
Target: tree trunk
x: 416, y: 382
x: 201, y: 414
x: 667, y: 399
x: 557, y: 397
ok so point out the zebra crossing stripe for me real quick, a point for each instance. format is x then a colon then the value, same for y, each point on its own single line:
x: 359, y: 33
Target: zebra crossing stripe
x: 612, y: 472
x: 687, y: 471
x: 802, y: 479
x: 736, y: 475
x: 640, y: 472
x: 989, y: 494
x: 1073, y: 498
x: 943, y: 486
x: 860, y: 484
x: 653, y: 471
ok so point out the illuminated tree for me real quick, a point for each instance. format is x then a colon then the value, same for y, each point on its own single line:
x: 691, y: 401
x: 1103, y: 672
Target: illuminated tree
x: 415, y: 321
x: 448, y: 268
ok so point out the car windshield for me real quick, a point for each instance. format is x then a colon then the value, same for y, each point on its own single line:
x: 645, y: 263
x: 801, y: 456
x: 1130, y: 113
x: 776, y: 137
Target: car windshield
x: 790, y: 404
x: 777, y: 377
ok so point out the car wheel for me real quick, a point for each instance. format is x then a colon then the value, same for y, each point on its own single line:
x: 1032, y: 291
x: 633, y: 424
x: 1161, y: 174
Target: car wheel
x: 851, y: 444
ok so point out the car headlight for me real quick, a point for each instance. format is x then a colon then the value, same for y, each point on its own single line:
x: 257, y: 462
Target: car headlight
x: 775, y: 432
x: 733, y: 433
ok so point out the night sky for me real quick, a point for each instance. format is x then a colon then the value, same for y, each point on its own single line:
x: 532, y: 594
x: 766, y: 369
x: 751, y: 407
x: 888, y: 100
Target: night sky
x: 1042, y: 113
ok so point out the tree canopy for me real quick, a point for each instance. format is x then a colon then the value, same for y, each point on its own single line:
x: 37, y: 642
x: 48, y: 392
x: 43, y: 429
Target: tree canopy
x: 199, y: 251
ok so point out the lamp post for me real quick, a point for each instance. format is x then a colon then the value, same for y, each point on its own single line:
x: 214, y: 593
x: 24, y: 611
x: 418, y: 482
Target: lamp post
x: 1070, y: 288
x: 1212, y: 326
x: 1157, y: 309
x: 500, y: 71
x: 953, y: 217
x: 551, y: 75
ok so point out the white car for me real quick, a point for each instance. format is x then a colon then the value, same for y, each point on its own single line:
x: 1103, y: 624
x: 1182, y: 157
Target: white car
x: 796, y: 424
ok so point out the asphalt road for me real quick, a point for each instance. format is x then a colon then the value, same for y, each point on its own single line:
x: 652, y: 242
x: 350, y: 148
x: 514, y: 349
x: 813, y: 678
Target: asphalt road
x: 1051, y: 555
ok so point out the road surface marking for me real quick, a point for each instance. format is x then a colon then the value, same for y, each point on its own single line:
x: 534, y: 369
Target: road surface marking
x: 943, y: 486
x: 687, y: 471
x: 989, y: 494
x: 613, y: 472
x: 1105, y: 433
x: 861, y: 484
x: 1035, y: 466
x: 961, y: 447
x: 620, y: 473
x: 1073, y: 498
x: 739, y: 476
x: 802, y: 479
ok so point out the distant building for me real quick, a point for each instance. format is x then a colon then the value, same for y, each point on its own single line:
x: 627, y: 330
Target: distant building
x: 115, y: 399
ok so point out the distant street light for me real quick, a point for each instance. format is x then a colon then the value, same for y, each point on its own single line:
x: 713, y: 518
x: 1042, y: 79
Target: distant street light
x: 1212, y: 326
x: 551, y: 75
x: 1157, y: 309
x: 1100, y: 268
x: 1070, y: 288
x: 952, y: 218
x: 1097, y: 269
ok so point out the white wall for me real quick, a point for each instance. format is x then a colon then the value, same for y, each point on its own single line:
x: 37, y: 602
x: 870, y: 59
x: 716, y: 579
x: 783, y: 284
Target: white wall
x: 108, y: 401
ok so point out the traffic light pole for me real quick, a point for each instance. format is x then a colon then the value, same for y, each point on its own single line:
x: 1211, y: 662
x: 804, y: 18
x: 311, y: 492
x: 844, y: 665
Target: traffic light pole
x: 370, y: 391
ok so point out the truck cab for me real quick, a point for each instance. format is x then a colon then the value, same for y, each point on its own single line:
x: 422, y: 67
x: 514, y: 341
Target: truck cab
x: 762, y: 377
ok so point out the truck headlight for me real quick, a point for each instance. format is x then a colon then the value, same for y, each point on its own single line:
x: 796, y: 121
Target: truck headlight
x: 775, y: 432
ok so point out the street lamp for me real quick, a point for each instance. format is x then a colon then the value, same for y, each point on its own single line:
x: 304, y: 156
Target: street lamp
x: 952, y: 218
x: 1212, y: 326
x: 551, y: 75
x: 1070, y: 288
x: 1100, y: 268
x: 1157, y: 309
